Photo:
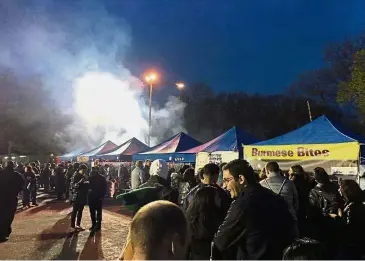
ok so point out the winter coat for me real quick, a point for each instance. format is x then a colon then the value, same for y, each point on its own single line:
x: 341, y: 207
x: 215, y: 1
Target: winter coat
x: 30, y: 181
x: 11, y: 184
x: 80, y: 188
x: 224, y: 196
x: 285, y: 188
x: 137, y: 177
x: 325, y: 200
x: 97, y: 188
x: 146, y: 171
x: 258, y: 224
x: 354, y: 230
x: 60, y: 180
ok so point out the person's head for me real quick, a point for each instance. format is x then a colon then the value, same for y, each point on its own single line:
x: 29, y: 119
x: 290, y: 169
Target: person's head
x: 69, y: 163
x: 159, y: 231
x: 147, y: 163
x: 210, y: 173
x: 139, y: 163
x: 321, y: 176
x: 296, y: 170
x: 237, y: 174
x: 272, y: 167
x: 10, y: 165
x: 351, y: 191
x: 189, y: 175
x: 28, y: 169
x: 33, y: 164
x: 305, y: 249
x: 82, y: 169
x: 159, y: 168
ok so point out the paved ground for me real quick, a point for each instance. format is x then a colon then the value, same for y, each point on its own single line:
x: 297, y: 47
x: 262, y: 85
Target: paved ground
x: 42, y: 232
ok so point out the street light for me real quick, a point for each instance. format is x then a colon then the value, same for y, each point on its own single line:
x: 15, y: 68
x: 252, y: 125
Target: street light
x: 151, y: 78
x: 180, y: 85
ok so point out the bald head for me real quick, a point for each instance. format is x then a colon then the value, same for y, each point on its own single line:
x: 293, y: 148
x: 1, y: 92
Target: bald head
x: 159, y: 230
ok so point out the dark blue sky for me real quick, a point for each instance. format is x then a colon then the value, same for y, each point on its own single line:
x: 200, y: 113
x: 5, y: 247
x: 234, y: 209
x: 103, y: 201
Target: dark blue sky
x: 254, y: 46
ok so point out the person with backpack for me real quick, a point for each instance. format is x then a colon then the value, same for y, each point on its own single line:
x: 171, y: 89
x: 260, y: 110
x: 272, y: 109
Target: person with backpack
x: 282, y: 187
x: 325, y: 204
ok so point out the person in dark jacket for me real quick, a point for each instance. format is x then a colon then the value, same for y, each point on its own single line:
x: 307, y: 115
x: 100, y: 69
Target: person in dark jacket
x: 60, y: 181
x: 305, y: 249
x: 353, y: 220
x: 30, y: 188
x: 97, y: 191
x: 11, y: 184
x: 69, y: 173
x: 46, y: 175
x: 146, y: 169
x: 204, y: 224
x: 303, y: 186
x: 325, y: 205
x: 79, y: 187
x: 209, y: 176
x: 258, y: 223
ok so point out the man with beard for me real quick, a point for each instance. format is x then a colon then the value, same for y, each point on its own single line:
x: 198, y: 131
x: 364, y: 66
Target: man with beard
x: 11, y: 184
x: 97, y: 191
x: 60, y: 181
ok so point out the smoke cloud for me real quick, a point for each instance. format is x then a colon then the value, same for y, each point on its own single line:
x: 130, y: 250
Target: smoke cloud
x: 77, y: 52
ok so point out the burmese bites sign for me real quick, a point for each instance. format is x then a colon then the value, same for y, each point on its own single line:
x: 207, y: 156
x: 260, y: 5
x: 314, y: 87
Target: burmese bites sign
x: 338, y: 151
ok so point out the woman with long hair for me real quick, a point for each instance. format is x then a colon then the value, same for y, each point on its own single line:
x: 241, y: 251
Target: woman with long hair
x: 204, y: 215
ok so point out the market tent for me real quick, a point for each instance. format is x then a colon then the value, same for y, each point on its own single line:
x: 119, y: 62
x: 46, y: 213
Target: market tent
x: 319, y: 143
x: 73, y: 154
x: 101, y: 149
x: 166, y: 149
x: 125, y: 151
x: 232, y: 140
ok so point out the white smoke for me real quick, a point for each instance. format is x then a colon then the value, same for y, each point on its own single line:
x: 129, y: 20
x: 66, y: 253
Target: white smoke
x: 78, y: 51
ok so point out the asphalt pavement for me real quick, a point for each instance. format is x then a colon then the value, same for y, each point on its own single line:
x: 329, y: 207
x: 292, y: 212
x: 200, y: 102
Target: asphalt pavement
x: 43, y: 232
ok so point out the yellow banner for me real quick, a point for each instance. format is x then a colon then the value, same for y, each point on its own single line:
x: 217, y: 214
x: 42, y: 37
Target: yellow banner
x: 338, y: 151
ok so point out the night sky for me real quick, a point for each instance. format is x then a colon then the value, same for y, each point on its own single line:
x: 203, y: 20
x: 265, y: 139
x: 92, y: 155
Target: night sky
x: 253, y: 46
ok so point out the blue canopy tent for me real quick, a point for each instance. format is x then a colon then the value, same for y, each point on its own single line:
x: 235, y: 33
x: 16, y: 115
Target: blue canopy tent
x: 319, y: 143
x: 125, y: 151
x: 166, y: 149
x: 231, y: 140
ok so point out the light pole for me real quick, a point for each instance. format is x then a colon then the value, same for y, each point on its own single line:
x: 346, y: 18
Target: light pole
x: 151, y: 78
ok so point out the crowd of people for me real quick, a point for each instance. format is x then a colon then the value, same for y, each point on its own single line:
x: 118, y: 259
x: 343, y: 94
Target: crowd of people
x: 232, y: 212
x: 222, y: 212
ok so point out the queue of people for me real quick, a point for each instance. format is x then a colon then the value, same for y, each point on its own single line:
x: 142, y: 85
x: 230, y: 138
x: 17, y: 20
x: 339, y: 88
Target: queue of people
x: 223, y: 212
x: 250, y: 216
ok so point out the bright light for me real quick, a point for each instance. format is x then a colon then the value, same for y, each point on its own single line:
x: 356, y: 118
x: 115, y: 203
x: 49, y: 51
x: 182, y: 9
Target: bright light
x: 105, y: 103
x: 151, y: 78
x: 180, y: 85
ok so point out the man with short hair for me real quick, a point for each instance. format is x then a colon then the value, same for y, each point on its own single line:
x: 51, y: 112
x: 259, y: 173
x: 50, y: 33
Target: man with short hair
x: 258, y: 223
x: 282, y: 187
x: 209, y: 177
x: 137, y: 176
x: 158, y: 231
